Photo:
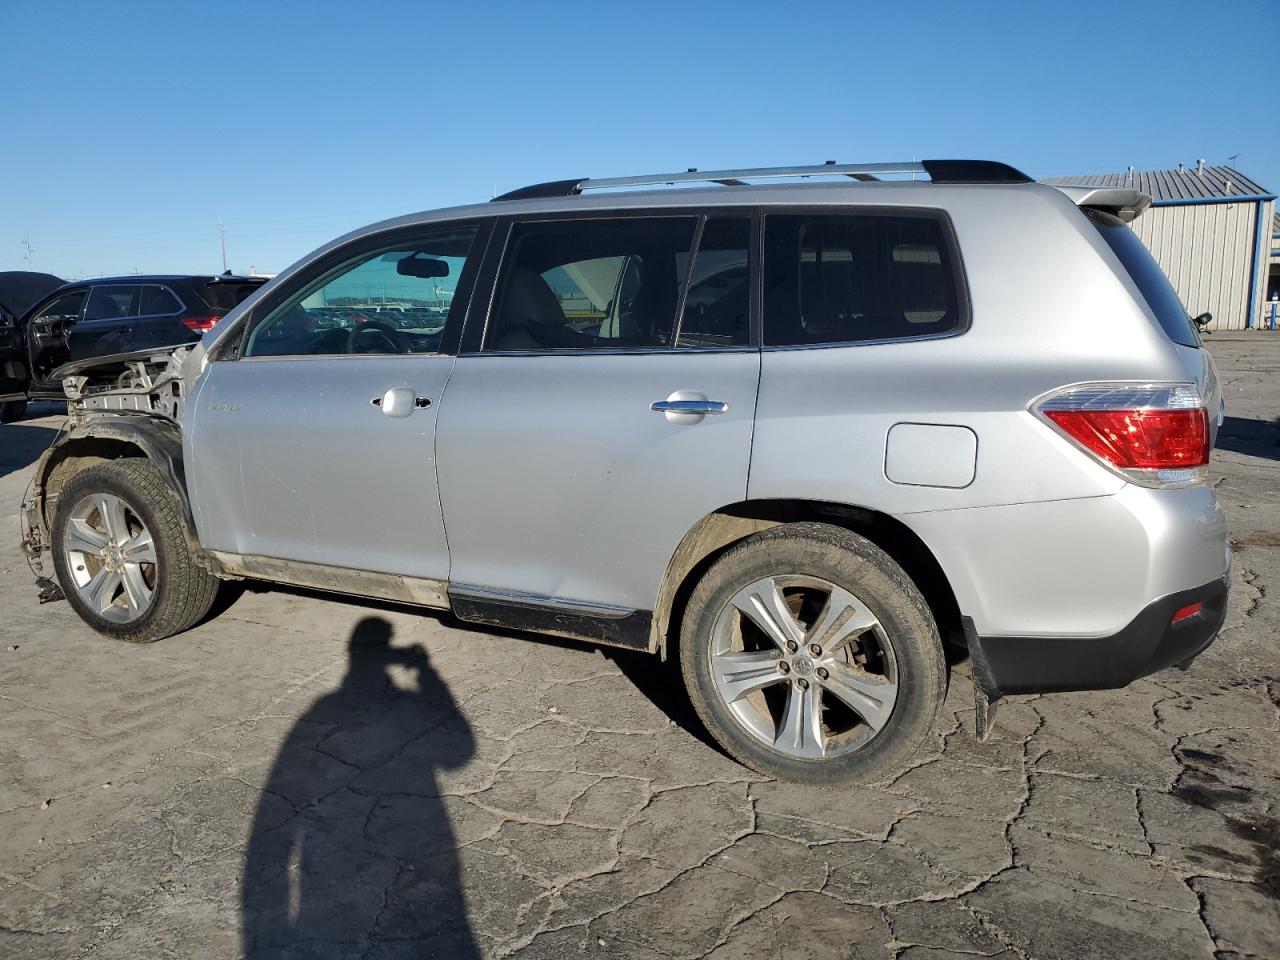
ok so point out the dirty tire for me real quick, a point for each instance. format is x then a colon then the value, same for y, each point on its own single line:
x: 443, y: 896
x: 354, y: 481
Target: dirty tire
x: 853, y: 563
x: 183, y: 592
x: 12, y: 410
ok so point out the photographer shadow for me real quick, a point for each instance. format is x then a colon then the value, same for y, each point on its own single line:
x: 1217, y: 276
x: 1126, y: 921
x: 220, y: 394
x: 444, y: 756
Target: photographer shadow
x: 351, y: 851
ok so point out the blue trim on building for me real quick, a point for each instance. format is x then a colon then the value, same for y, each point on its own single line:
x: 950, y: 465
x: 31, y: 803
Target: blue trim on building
x: 1192, y: 201
x: 1259, y: 245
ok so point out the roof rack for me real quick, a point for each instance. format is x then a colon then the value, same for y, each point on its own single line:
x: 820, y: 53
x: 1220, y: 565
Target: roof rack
x: 939, y: 171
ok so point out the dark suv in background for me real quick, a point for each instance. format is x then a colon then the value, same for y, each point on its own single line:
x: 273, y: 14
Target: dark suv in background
x: 110, y: 315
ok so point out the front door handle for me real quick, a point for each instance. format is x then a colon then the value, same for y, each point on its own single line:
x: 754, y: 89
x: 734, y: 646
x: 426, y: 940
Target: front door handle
x: 400, y: 402
x: 688, y: 406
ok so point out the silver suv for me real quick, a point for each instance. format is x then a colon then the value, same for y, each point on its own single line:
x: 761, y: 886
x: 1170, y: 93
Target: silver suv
x: 795, y: 434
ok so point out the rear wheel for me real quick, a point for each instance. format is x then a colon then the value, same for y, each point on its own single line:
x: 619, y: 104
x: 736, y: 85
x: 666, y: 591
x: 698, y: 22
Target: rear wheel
x: 811, y: 656
x: 12, y: 410
x: 121, y: 555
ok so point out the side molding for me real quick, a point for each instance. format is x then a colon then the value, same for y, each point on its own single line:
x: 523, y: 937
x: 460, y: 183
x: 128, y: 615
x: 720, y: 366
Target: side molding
x: 359, y: 583
x: 594, y: 623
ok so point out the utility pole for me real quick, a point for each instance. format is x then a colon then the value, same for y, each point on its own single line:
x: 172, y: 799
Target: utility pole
x: 26, y: 242
x: 222, y: 239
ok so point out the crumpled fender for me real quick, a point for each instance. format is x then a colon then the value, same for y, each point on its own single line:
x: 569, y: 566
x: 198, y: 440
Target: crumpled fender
x: 159, y: 439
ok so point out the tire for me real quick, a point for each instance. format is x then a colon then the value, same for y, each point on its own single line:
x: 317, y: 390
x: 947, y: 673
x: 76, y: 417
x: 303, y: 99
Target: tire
x: 158, y: 591
x: 12, y: 410
x: 854, y: 712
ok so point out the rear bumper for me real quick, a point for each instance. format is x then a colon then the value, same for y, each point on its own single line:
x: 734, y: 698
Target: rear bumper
x: 1150, y: 642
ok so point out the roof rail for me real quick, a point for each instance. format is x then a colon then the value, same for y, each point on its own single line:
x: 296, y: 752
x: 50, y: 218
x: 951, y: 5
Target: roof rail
x: 939, y: 171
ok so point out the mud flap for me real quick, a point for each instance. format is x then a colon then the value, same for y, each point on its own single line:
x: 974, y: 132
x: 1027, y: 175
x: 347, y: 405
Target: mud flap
x: 984, y: 713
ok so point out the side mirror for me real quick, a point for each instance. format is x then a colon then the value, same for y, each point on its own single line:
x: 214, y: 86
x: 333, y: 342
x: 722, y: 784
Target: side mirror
x: 416, y: 265
x: 1202, y: 321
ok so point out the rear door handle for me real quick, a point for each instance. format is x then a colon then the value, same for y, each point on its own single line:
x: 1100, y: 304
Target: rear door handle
x: 689, y: 406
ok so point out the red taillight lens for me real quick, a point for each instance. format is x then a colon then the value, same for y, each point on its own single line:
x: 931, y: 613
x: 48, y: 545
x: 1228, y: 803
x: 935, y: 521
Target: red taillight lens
x: 1187, y: 612
x: 1156, y: 434
x: 1140, y: 439
x: 200, y: 324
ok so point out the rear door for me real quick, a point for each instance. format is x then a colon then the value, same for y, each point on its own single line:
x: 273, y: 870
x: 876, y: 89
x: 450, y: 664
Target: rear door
x: 107, y: 324
x: 600, y: 412
x: 160, y: 319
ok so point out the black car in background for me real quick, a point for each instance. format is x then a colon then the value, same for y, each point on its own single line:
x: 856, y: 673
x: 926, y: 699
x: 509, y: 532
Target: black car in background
x: 95, y: 318
x: 19, y: 290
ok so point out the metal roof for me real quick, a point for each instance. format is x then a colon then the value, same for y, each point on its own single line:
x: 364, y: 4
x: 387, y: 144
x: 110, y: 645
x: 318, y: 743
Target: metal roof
x: 1187, y: 183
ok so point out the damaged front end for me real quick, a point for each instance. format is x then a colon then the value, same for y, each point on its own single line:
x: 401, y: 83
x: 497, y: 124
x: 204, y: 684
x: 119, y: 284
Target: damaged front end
x: 126, y: 405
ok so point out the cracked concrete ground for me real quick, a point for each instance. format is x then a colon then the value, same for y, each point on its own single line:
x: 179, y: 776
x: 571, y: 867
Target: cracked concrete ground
x: 308, y: 777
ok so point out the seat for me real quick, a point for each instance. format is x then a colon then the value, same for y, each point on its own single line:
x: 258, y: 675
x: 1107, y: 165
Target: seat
x: 527, y: 303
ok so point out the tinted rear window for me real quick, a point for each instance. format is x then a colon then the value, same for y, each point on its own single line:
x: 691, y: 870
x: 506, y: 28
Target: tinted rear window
x: 859, y: 277
x: 1148, y: 277
x: 223, y: 296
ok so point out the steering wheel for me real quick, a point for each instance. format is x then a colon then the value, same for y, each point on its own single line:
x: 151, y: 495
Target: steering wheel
x: 393, y: 338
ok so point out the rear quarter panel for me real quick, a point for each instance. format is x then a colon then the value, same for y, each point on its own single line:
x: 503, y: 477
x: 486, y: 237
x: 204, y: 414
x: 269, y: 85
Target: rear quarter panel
x: 1046, y: 311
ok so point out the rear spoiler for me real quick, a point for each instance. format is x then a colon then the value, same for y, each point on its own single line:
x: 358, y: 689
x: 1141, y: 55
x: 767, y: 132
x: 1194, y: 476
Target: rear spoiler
x: 1123, y: 202
x: 235, y: 278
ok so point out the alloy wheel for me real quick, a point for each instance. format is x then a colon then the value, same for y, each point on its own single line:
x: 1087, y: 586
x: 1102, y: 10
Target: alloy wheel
x: 804, y: 666
x: 111, y: 556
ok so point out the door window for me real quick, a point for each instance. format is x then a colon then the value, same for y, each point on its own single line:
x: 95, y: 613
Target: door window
x: 844, y: 279
x: 717, y: 309
x: 608, y: 284
x: 112, y: 302
x: 64, y: 310
x: 395, y: 300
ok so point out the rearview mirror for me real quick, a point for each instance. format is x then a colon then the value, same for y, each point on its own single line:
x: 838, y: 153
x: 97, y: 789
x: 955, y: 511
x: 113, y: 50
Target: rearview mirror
x: 1203, y: 320
x: 416, y: 265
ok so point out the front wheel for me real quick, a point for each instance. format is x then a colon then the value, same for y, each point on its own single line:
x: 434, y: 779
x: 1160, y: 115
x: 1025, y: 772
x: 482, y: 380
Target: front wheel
x: 811, y: 656
x: 12, y: 411
x: 121, y: 555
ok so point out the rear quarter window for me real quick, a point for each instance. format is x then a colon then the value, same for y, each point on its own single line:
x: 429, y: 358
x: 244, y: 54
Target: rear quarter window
x: 1147, y: 277
x: 860, y: 277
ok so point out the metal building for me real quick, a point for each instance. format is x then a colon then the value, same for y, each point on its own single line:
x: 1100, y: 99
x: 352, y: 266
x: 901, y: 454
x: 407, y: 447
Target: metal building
x: 1211, y: 229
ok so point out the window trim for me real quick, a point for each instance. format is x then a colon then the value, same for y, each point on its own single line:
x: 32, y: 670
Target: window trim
x: 961, y: 278
x: 482, y: 304
x: 232, y: 349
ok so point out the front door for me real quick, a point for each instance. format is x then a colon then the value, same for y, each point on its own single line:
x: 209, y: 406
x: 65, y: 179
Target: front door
x: 608, y: 407
x: 316, y: 443
x: 47, y: 338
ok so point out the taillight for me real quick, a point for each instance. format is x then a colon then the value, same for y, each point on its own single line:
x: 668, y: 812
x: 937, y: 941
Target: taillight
x: 200, y: 324
x: 1155, y: 434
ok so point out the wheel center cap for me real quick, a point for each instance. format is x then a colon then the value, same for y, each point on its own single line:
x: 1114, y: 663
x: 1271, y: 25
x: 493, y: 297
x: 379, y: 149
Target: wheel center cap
x: 803, y: 666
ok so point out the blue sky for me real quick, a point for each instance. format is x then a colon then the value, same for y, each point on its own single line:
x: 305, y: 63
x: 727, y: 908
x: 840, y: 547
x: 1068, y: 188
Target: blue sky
x: 125, y: 134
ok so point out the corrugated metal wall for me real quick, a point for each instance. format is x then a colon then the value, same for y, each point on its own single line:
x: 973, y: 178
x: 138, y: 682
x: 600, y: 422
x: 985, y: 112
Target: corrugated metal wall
x: 1208, y: 251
